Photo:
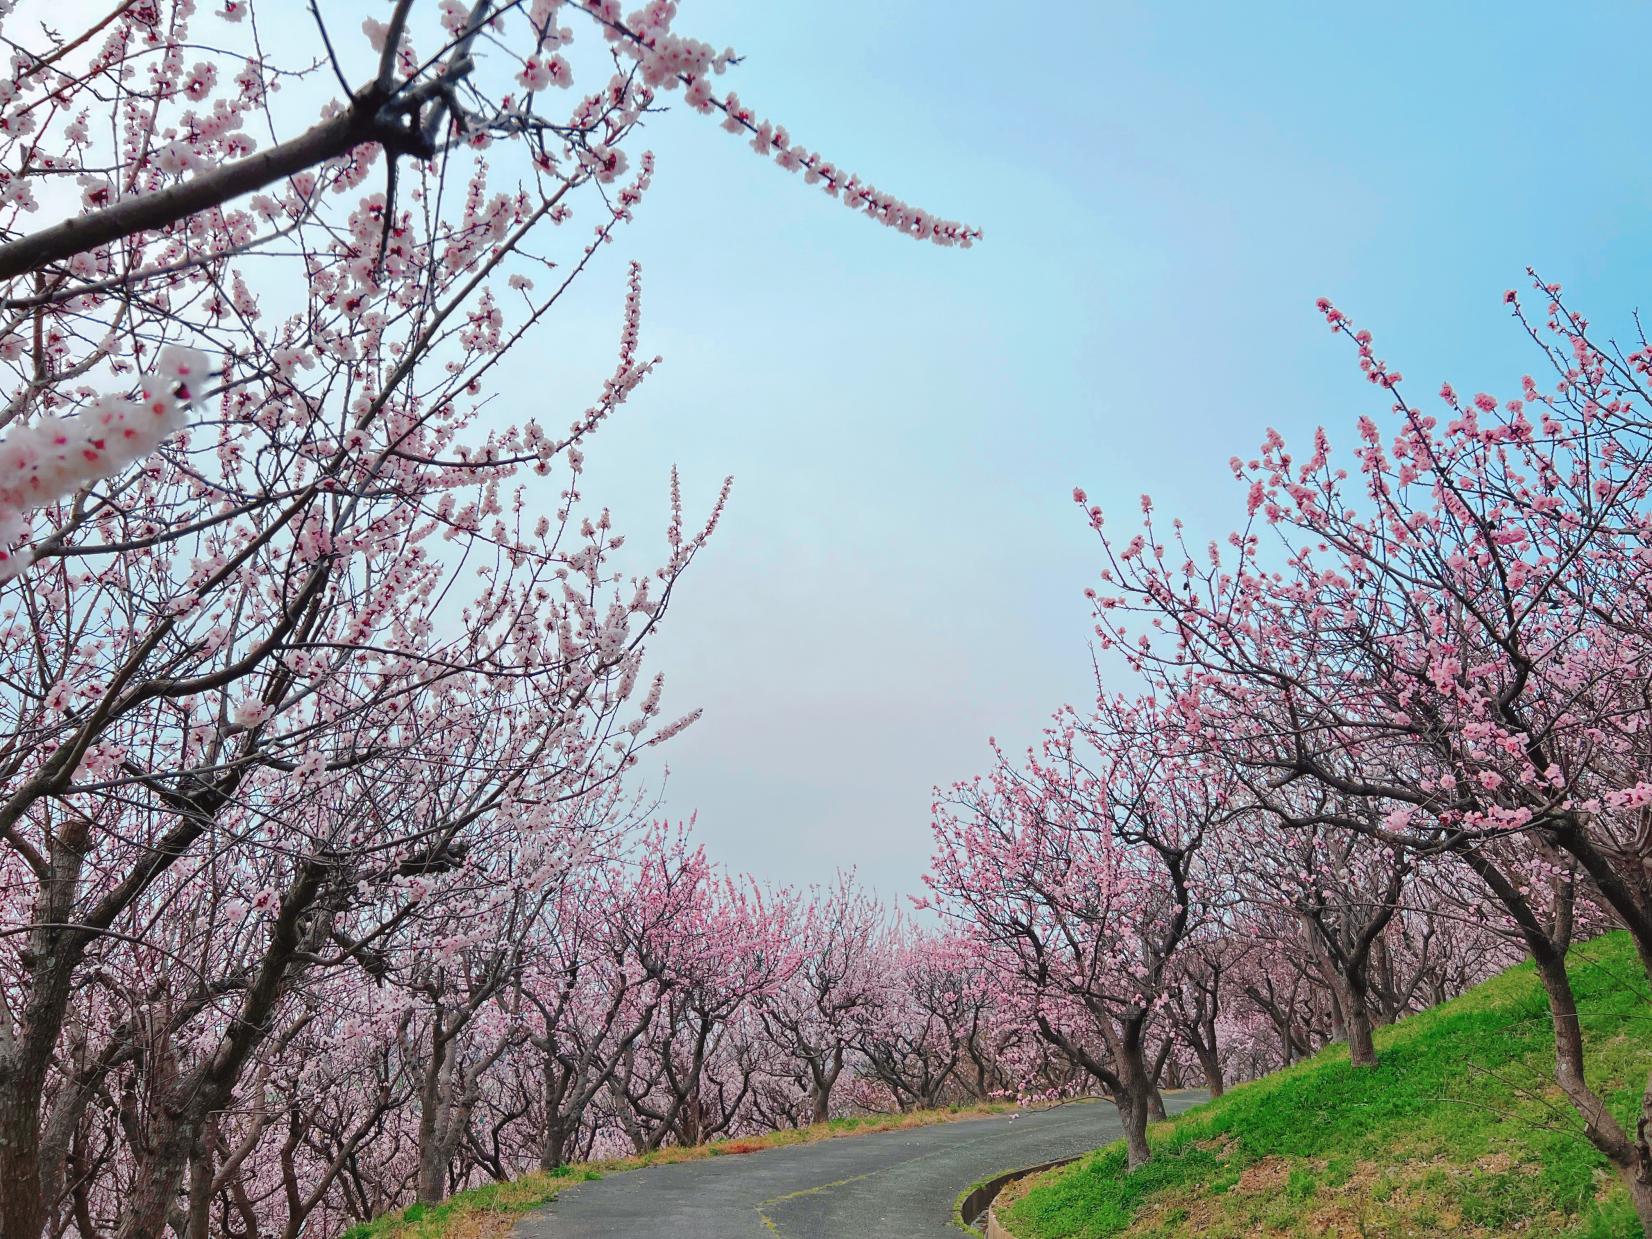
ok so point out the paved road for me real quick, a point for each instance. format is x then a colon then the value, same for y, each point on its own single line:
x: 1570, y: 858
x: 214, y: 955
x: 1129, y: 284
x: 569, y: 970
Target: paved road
x: 887, y: 1185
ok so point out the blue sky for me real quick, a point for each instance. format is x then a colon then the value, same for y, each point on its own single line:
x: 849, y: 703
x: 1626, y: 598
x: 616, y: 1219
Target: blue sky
x: 1165, y: 191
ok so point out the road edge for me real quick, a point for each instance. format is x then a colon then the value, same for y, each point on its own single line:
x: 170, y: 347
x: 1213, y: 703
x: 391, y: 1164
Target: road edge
x: 976, y: 1201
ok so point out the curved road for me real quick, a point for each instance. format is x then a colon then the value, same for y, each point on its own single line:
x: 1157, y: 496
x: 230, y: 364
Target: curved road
x: 887, y: 1185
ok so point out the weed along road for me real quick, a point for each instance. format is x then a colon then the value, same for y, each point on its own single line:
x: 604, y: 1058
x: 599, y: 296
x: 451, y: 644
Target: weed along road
x: 888, y: 1185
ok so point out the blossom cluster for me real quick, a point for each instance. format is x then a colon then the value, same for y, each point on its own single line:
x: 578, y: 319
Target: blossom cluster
x: 51, y: 457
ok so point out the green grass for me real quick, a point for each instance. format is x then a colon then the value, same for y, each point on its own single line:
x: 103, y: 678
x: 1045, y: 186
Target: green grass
x: 1460, y: 1129
x: 481, y: 1211
x: 488, y: 1212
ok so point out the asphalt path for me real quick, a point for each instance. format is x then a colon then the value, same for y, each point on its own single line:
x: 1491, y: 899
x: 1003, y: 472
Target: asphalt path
x: 886, y: 1185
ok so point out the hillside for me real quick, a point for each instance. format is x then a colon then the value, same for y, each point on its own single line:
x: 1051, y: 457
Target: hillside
x: 1459, y: 1130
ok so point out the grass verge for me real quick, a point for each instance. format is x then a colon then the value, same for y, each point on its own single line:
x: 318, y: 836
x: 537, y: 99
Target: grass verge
x: 490, y: 1211
x: 1459, y: 1129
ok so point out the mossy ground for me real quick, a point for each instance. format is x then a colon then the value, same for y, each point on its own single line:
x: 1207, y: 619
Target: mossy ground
x: 490, y: 1211
x: 1459, y: 1130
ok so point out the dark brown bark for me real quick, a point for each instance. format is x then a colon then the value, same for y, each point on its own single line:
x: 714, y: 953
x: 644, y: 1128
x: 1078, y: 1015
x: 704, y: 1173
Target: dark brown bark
x: 375, y: 115
x: 1356, y: 1022
x: 1628, y: 1155
x: 182, y: 1111
x: 1155, y: 1105
x: 822, y: 1078
x: 435, y: 1106
x: 1134, y: 1099
x: 1362, y: 1050
x: 1210, y: 1066
x: 22, y: 1209
x: 1126, y: 1077
x: 200, y: 1190
x: 26, y: 1050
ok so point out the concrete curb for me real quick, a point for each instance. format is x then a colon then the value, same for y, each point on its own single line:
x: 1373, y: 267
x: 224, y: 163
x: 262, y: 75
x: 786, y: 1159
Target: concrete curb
x: 980, y: 1201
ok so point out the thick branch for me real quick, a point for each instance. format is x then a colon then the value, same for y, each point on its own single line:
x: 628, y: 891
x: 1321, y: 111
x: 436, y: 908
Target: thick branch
x: 388, y: 118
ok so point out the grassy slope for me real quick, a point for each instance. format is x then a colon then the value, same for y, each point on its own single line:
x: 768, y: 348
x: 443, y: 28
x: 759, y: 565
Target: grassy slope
x: 1459, y: 1129
x: 490, y: 1211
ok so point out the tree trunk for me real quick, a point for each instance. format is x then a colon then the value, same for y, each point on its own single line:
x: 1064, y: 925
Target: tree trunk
x: 1287, y: 1044
x: 1134, y: 1094
x: 553, y: 1144
x: 188, y: 1103
x: 154, y: 1190
x: 1640, y: 1193
x: 22, y: 1211
x: 1339, y: 1023
x: 1210, y: 1066
x: 1628, y: 1155
x: 1132, y: 1107
x: 1356, y: 1022
x: 434, y: 1097
x: 432, y: 1173
x: 693, y: 1121
x: 200, y: 1191
x: 1602, y: 1129
x: 57, y: 1133
x: 1362, y: 1051
x: 34, y: 1036
x: 820, y: 1096
x: 1155, y: 1104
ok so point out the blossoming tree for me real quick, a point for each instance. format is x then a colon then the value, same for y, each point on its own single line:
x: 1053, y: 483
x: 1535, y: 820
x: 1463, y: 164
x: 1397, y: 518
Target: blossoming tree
x: 1443, y: 652
x: 309, y: 655
x: 1080, y: 876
